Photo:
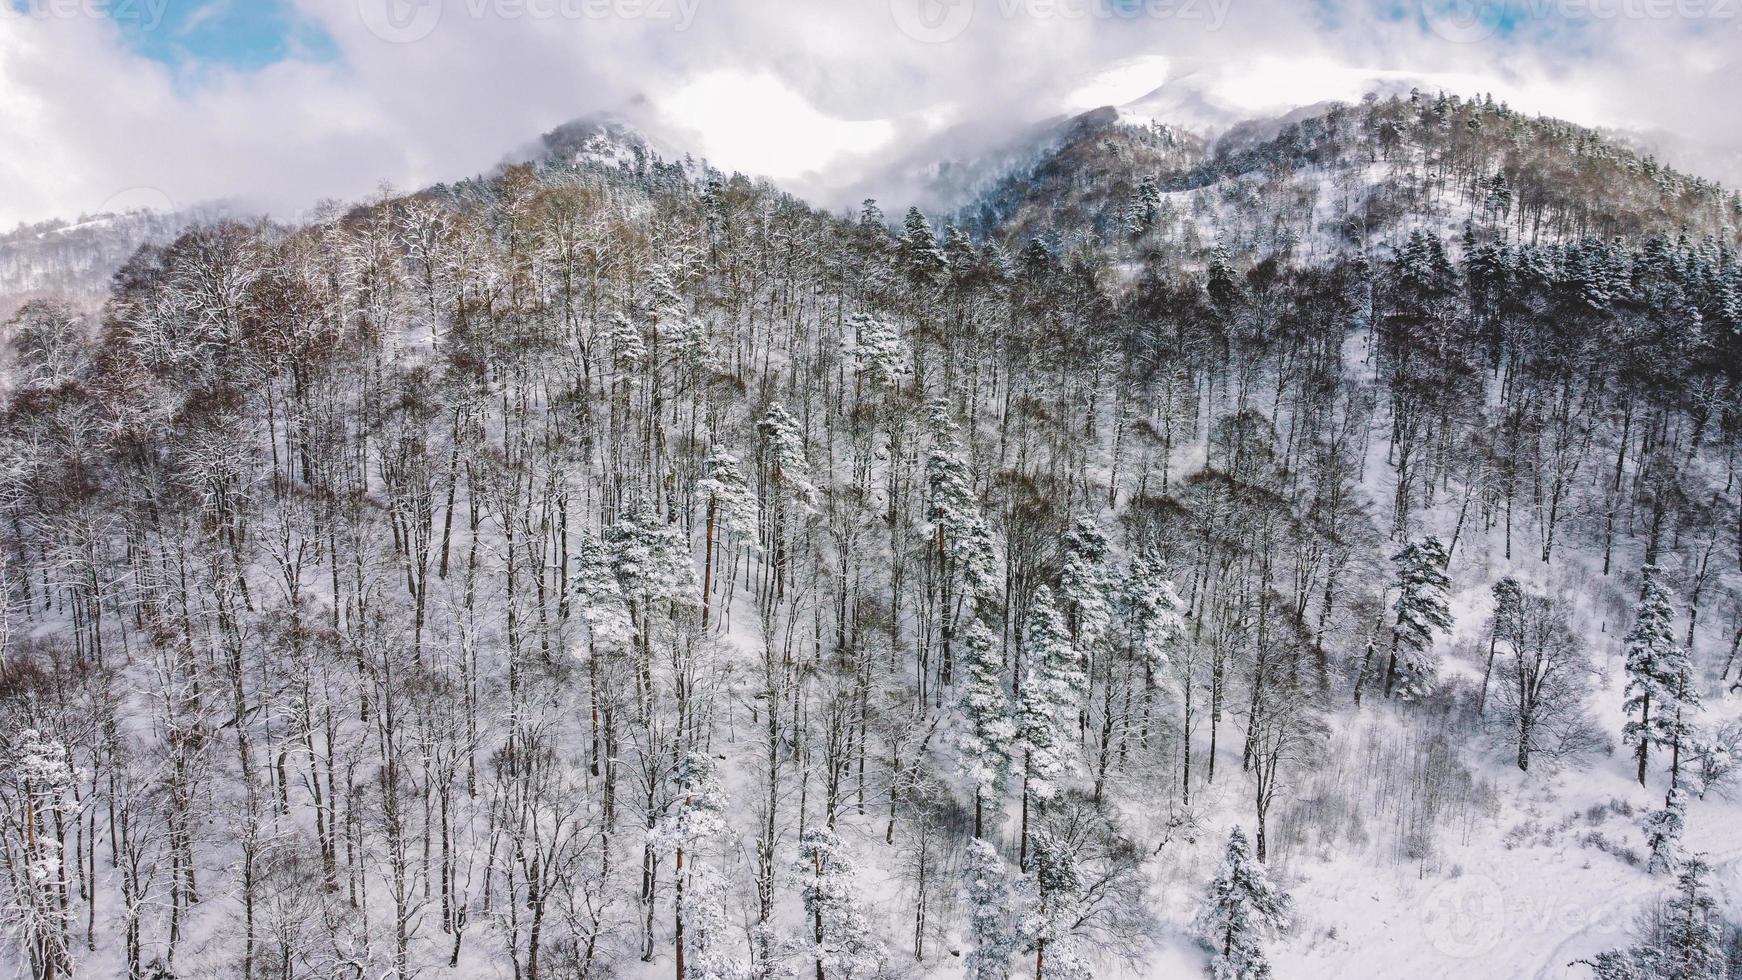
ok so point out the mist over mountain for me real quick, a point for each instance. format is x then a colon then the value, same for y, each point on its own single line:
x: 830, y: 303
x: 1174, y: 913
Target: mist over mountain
x: 958, y: 169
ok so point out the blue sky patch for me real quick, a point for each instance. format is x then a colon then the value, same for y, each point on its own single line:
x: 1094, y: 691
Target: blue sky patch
x: 241, y: 35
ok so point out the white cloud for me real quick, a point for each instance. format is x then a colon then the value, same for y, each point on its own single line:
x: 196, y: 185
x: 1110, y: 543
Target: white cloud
x: 1121, y: 82
x: 762, y: 126
x: 824, y: 94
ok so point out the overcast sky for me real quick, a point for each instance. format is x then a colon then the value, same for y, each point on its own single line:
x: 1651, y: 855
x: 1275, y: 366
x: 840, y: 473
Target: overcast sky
x: 278, y: 103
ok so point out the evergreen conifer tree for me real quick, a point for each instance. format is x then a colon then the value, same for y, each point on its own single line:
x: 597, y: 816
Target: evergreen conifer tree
x: 878, y: 351
x: 1154, y: 614
x: 1690, y: 941
x: 1685, y: 943
x: 989, y: 742
x: 1242, y: 907
x: 1659, y: 695
x: 599, y: 599
x: 1663, y: 832
x: 696, y: 819
x: 840, y: 937
x: 1421, y: 611
x: 1050, y: 697
x: 918, y: 249
x: 1084, y: 583
x: 786, y: 449
x: 991, y: 928
x: 1057, y: 885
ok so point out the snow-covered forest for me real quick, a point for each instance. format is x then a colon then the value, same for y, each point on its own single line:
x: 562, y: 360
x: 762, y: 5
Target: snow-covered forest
x: 1315, y: 555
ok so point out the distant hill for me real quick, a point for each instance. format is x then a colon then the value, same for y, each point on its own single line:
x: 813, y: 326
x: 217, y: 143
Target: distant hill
x: 1352, y: 176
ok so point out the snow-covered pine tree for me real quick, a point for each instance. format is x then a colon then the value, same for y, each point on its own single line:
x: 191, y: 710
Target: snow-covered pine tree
x: 959, y: 527
x: 1141, y: 212
x: 1660, y: 694
x: 684, y: 338
x: 696, y: 819
x: 679, y: 337
x: 1730, y: 305
x: 1222, y: 281
x: 841, y: 943
x: 1047, y: 705
x: 960, y: 256
x: 698, y: 810
x: 871, y: 217
x: 710, y: 931
x: 726, y: 487
x: 1615, y: 964
x: 785, y: 442
x: 1678, y: 730
x: 1050, y: 696
x: 1508, y: 607
x: 996, y: 262
x: 731, y: 505
x: 626, y: 341
x: 1035, y: 260
x: 1690, y: 935
x: 651, y: 560
x: 1421, y: 611
x: 1498, y: 201
x: 1685, y: 942
x: 992, y: 932
x: 1086, y: 594
x: 1152, y: 610
x: 917, y: 248
x: 664, y: 300
x: 1242, y: 907
x: 965, y: 549
x: 1057, y: 888
x: 960, y: 534
x: 878, y: 351
x: 1663, y: 832
x: 599, y: 599
x: 989, y: 743
x: 1085, y: 585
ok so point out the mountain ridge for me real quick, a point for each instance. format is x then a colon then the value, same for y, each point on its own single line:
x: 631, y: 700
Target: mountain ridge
x: 1058, y: 169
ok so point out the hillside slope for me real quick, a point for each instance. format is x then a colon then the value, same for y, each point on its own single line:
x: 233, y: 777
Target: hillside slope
x: 1350, y: 179
x: 609, y: 563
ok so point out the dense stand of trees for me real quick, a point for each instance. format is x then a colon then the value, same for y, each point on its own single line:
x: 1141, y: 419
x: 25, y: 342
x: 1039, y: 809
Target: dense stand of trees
x: 577, y: 568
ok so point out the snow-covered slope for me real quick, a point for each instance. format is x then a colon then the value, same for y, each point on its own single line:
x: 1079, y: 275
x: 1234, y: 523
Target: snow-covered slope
x: 1212, y: 96
x: 387, y: 577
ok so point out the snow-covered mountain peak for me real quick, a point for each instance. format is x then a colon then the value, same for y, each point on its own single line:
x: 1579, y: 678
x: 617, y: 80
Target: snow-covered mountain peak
x: 1210, y: 97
